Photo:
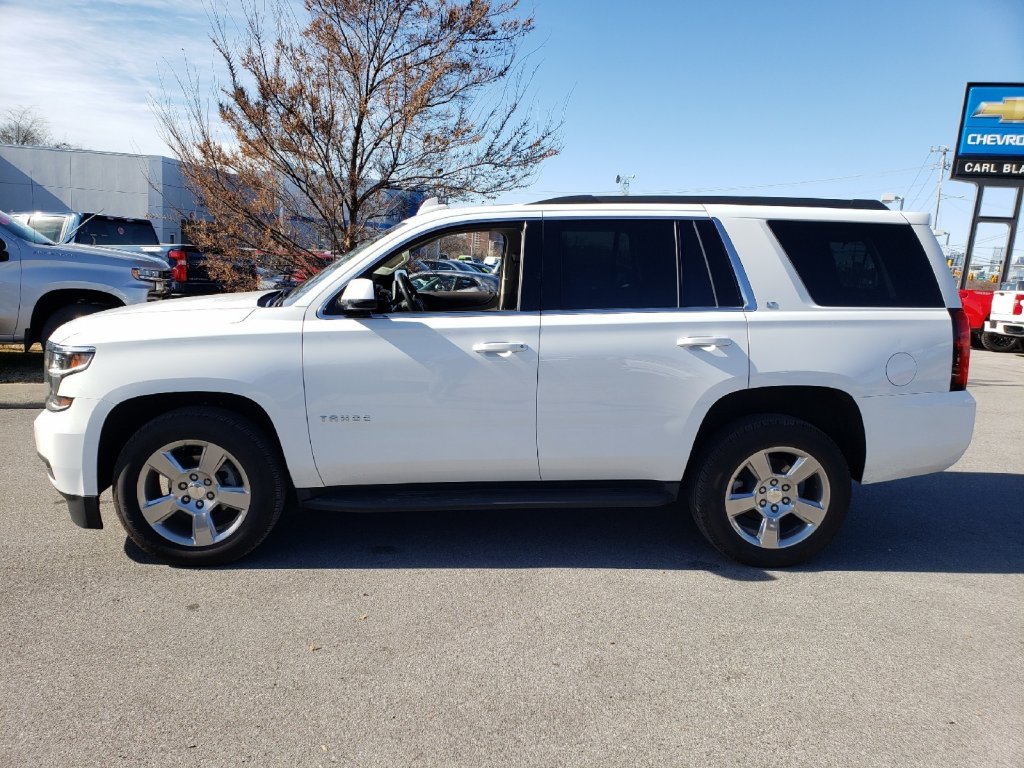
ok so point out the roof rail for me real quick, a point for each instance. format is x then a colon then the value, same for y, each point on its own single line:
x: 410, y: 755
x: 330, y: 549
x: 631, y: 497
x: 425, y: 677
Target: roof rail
x: 797, y: 202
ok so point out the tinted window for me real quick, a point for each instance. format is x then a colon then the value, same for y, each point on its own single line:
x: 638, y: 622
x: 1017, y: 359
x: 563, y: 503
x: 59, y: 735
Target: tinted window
x: 844, y: 264
x: 610, y: 264
x: 695, y: 288
x: 103, y: 231
x: 727, y: 290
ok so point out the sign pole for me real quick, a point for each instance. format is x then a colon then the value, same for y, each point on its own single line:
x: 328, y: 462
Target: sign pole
x: 1004, y: 275
x: 969, y: 253
x: 990, y: 153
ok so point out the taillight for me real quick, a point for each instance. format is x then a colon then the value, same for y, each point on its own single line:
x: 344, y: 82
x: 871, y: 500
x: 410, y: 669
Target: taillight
x: 1018, y: 304
x: 179, y: 272
x: 961, y: 350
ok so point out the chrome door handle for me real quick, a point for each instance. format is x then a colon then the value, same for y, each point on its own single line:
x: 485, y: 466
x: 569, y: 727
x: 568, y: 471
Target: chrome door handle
x: 704, y: 342
x: 499, y: 347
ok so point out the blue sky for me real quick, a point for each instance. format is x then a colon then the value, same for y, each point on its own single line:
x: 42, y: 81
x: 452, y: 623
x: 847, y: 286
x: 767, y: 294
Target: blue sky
x: 829, y: 98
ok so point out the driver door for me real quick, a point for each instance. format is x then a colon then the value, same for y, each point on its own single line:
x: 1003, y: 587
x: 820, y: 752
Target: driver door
x: 423, y: 396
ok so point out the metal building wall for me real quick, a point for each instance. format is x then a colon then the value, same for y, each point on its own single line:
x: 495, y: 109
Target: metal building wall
x: 142, y: 186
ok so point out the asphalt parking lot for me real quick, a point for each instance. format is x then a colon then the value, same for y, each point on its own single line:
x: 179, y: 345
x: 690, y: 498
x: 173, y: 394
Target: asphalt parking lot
x: 612, y: 638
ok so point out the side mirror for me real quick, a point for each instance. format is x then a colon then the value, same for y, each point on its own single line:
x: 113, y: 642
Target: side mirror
x: 4, y: 255
x: 359, y: 297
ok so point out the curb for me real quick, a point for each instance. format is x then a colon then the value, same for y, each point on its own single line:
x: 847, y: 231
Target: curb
x: 24, y: 396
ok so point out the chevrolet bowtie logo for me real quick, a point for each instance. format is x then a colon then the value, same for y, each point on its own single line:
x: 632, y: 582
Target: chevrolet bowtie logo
x: 1009, y: 110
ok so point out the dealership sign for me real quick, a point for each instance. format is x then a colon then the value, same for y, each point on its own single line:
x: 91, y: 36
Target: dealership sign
x: 990, y: 145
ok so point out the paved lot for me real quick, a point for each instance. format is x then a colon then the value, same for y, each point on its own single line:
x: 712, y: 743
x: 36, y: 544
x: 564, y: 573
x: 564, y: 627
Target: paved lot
x: 547, y: 639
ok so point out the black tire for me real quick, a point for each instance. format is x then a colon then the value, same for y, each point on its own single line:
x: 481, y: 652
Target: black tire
x: 66, y: 315
x: 251, y: 462
x: 998, y: 342
x: 723, y: 469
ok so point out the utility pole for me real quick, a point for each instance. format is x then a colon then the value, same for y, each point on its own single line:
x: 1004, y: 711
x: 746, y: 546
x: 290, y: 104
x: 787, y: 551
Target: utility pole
x: 943, y: 167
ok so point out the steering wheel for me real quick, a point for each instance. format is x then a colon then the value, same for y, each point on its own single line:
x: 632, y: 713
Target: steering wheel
x: 403, y: 286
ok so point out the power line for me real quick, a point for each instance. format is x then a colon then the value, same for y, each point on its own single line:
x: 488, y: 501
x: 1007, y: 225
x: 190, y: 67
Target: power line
x: 926, y: 157
x: 921, y: 189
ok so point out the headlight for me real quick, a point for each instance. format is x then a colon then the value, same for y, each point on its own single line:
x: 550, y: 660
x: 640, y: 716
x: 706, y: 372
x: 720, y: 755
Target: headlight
x: 145, y: 273
x: 58, y: 362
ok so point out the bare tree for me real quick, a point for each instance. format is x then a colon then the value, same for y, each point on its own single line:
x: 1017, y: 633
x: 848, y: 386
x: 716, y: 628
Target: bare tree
x: 22, y: 125
x: 328, y: 118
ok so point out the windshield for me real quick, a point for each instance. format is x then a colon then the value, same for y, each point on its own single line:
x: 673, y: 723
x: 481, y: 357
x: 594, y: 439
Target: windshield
x: 309, y: 285
x: 25, y: 233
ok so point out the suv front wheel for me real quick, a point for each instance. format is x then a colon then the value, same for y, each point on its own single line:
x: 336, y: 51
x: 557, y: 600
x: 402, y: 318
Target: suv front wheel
x: 770, y: 491
x: 199, y: 486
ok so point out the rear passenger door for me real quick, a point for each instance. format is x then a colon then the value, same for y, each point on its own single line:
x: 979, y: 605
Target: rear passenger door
x: 642, y: 330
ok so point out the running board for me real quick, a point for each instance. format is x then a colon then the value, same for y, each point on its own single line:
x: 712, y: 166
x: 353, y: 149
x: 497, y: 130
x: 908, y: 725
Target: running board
x: 484, y: 496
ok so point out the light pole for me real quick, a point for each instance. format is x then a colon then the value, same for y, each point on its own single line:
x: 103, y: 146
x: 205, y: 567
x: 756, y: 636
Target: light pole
x: 943, y: 167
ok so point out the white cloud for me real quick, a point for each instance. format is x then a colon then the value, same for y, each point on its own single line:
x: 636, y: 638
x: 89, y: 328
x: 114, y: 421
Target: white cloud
x: 90, y: 67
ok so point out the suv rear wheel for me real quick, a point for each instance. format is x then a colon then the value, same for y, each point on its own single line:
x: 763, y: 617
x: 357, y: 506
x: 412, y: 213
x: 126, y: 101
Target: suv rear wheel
x: 199, y: 486
x: 770, y: 491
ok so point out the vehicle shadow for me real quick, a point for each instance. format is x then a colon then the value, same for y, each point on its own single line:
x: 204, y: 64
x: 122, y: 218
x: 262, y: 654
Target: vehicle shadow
x: 955, y: 522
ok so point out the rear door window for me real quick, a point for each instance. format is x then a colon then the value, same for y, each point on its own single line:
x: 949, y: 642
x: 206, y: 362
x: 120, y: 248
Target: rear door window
x: 100, y: 230
x: 854, y: 264
x: 706, y: 277
x: 610, y: 264
x: 636, y: 264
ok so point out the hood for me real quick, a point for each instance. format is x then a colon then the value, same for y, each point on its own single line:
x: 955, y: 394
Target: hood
x: 94, y: 252
x: 167, y: 319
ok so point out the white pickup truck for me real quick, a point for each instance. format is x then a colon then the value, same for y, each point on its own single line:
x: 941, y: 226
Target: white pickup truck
x: 749, y: 358
x: 1007, y: 315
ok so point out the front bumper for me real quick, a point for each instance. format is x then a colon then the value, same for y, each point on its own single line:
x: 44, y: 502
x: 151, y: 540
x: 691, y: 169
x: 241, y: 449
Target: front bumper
x: 68, y: 443
x: 84, y: 510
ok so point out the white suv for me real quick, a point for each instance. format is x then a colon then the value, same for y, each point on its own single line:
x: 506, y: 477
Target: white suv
x: 747, y: 356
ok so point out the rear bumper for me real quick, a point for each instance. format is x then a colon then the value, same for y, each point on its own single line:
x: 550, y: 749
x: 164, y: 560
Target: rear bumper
x: 1006, y: 329
x: 196, y: 288
x: 908, y: 435
x: 158, y: 291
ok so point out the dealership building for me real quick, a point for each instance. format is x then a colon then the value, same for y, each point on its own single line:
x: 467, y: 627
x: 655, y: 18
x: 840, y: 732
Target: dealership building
x: 113, y: 183
x: 118, y: 184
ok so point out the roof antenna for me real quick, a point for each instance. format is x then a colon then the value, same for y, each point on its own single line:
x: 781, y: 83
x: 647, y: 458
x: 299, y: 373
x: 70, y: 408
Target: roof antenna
x: 623, y: 182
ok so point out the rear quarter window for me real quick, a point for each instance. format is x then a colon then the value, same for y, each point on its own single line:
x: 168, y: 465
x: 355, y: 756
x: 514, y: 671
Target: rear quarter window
x: 854, y: 264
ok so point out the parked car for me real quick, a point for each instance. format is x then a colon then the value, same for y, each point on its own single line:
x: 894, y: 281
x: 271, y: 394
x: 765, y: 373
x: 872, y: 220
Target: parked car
x: 750, y: 357
x: 978, y: 307
x: 448, y: 265
x: 189, y: 275
x: 1006, y: 320
x: 44, y: 285
x: 453, y: 281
